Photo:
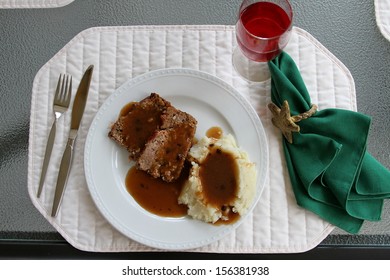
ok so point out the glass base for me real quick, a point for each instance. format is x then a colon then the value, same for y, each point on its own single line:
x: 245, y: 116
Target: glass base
x: 250, y: 70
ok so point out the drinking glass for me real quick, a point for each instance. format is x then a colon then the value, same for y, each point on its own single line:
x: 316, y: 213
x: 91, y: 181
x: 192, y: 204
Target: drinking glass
x: 263, y: 29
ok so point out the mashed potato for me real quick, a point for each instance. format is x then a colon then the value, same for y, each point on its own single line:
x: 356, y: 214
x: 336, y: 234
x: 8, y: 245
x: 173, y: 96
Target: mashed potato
x: 193, y: 194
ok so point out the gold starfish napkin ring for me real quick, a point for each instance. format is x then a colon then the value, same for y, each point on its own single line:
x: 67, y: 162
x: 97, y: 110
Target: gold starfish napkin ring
x: 283, y: 120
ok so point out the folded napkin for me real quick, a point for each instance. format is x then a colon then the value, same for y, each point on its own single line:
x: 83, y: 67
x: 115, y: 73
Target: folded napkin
x: 331, y: 172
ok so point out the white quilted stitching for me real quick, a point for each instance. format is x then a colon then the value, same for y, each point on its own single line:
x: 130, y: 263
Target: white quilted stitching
x: 277, y: 225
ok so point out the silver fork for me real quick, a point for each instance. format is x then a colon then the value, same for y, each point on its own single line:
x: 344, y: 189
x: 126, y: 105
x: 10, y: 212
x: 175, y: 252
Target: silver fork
x: 61, y: 102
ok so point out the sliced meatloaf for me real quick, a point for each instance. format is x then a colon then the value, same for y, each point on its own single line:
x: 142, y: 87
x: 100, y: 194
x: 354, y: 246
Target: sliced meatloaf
x: 138, y: 123
x: 157, y: 135
x: 165, y: 153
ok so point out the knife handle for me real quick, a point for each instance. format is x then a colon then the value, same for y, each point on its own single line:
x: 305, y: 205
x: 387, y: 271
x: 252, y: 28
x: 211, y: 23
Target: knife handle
x: 63, y: 175
x: 46, y: 160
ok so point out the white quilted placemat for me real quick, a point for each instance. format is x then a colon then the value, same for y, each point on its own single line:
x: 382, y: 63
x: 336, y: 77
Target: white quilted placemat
x: 277, y: 224
x: 26, y: 4
x: 382, y: 14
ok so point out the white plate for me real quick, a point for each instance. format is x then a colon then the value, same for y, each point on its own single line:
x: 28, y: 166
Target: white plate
x: 213, y: 103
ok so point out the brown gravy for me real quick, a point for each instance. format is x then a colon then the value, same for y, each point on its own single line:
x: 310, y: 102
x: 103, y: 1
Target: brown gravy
x: 218, y: 173
x: 155, y: 195
x: 214, y: 132
x: 127, y: 108
x: 141, y: 123
x: 229, y: 216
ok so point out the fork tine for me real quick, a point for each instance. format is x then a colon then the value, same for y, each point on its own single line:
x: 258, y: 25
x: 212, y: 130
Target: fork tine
x: 64, y: 87
x: 59, y: 86
x: 63, y: 95
x: 68, y: 92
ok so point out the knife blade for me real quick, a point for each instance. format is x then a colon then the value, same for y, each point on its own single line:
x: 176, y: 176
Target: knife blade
x: 66, y: 161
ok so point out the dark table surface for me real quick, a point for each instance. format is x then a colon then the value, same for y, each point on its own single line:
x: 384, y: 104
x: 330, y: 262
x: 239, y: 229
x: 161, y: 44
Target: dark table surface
x: 30, y: 37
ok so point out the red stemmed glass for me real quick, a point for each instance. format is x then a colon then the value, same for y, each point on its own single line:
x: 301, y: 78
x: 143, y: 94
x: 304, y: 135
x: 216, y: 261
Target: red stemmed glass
x: 263, y: 29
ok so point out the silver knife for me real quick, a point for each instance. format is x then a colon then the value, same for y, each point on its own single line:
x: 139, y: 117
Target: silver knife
x: 77, y: 113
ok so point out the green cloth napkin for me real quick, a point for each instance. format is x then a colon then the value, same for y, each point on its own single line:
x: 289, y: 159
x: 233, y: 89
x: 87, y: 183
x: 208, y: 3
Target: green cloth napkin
x: 331, y: 172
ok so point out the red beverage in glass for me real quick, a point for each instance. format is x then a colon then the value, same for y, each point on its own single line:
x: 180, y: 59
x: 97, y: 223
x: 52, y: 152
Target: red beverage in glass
x: 263, y: 29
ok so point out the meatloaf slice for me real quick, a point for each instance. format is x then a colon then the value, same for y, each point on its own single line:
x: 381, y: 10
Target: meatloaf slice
x: 165, y: 153
x: 137, y: 123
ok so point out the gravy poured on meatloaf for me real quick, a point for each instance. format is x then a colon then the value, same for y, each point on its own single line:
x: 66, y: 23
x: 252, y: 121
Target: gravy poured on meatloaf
x: 137, y: 122
x: 157, y: 136
x: 139, y: 125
